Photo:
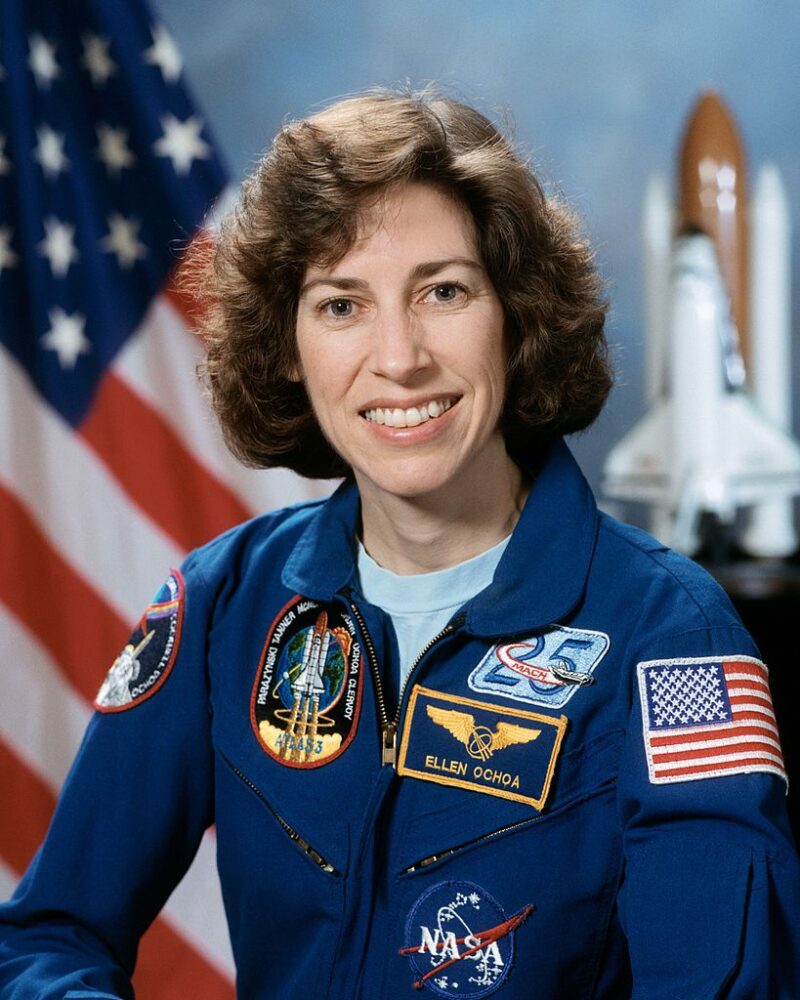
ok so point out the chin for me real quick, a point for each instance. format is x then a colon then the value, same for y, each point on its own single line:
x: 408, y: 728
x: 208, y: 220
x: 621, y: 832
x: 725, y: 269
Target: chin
x: 407, y: 483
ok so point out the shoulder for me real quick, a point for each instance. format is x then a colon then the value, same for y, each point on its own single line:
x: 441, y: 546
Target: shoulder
x: 267, y: 537
x: 659, y: 579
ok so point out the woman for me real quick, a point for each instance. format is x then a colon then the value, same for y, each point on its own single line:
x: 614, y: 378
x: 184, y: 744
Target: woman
x: 458, y: 731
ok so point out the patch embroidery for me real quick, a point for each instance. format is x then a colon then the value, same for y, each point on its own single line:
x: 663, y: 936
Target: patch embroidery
x: 307, y: 695
x: 545, y: 669
x: 704, y: 717
x: 145, y: 662
x: 485, y: 748
x: 459, y: 940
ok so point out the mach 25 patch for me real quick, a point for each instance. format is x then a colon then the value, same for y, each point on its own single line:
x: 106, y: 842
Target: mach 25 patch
x: 149, y: 655
x: 545, y: 669
x: 307, y: 695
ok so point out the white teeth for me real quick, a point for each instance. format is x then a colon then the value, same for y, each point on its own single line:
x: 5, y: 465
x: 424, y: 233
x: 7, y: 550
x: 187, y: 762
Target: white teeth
x: 411, y: 417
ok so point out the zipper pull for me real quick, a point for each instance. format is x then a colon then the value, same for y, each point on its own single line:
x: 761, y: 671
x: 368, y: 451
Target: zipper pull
x: 389, y: 750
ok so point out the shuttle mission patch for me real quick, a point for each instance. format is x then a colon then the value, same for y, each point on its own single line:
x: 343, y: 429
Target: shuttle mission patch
x: 459, y: 940
x: 145, y: 662
x: 307, y: 694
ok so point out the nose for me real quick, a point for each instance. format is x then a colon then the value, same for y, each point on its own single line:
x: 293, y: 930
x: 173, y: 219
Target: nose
x: 399, y: 349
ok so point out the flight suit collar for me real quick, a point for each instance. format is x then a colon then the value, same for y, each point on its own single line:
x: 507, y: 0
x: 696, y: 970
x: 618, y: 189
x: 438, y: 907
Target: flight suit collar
x: 539, y: 580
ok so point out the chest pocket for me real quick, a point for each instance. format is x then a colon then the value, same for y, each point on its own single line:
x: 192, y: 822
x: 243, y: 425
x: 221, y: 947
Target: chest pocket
x: 445, y: 821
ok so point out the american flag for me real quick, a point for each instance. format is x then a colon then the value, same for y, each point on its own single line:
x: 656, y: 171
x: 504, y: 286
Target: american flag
x: 110, y: 465
x: 705, y: 717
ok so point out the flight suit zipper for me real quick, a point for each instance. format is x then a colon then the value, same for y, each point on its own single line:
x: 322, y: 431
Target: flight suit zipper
x: 389, y: 727
x: 492, y: 834
x: 303, y: 844
x: 425, y: 862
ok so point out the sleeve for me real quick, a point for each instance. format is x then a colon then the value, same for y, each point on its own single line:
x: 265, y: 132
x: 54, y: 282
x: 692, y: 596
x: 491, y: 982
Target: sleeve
x: 130, y: 816
x: 710, y: 902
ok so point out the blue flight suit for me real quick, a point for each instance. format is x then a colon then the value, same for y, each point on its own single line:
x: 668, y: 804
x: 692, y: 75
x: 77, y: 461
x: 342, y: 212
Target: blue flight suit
x: 562, y: 824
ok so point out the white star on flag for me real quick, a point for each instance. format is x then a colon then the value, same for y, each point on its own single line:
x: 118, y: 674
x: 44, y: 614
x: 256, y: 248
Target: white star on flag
x: 49, y: 152
x: 181, y: 142
x: 42, y: 60
x: 164, y: 54
x: 8, y: 258
x: 58, y: 246
x: 66, y: 337
x: 97, y: 60
x: 122, y: 240
x: 5, y: 163
x: 112, y: 148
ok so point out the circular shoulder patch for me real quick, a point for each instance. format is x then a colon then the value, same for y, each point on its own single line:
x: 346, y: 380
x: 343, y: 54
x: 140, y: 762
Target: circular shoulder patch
x: 459, y: 940
x: 145, y: 662
x: 307, y: 694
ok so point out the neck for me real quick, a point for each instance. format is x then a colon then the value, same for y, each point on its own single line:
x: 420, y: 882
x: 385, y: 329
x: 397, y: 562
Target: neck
x: 422, y: 534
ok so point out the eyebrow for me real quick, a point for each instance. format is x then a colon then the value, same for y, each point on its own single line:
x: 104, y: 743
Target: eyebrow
x: 424, y: 270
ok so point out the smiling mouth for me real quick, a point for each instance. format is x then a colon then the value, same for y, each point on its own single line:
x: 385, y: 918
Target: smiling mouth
x: 410, y: 417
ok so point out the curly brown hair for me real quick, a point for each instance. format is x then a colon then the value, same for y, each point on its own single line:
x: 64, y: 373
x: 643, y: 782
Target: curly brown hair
x: 303, y: 204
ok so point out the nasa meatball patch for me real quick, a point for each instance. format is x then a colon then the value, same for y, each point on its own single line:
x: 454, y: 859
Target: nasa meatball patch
x: 460, y: 941
x: 145, y: 662
x: 307, y: 694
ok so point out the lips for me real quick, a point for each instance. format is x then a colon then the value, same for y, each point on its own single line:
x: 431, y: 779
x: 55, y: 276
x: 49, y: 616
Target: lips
x: 412, y: 416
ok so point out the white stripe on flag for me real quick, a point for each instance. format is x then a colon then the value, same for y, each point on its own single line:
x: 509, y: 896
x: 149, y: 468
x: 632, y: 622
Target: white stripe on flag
x: 41, y: 717
x: 77, y: 504
x: 196, y: 910
x: 159, y: 363
x: 8, y: 882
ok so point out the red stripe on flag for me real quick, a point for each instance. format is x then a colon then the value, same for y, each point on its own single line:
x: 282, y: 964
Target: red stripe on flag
x: 742, y: 667
x: 80, y: 631
x: 758, y: 761
x: 168, y: 966
x: 157, y: 471
x: 28, y: 807
x: 757, y: 747
x: 712, y: 734
x: 752, y: 699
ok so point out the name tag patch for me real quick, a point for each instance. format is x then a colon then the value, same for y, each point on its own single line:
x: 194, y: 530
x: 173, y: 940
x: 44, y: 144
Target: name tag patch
x: 546, y: 669
x: 485, y: 748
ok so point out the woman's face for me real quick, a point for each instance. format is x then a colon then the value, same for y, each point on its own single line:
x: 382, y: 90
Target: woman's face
x: 402, y: 351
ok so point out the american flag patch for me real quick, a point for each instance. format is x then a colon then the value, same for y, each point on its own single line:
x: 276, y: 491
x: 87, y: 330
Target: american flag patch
x: 707, y: 717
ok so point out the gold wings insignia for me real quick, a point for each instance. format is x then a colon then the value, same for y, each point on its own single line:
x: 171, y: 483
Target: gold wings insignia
x: 483, y: 744
x: 460, y: 724
x: 507, y: 734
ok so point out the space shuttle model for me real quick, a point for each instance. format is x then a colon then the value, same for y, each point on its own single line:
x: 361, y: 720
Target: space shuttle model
x: 716, y: 437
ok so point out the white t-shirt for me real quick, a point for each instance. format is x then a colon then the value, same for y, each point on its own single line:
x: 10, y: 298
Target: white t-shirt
x: 421, y: 604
